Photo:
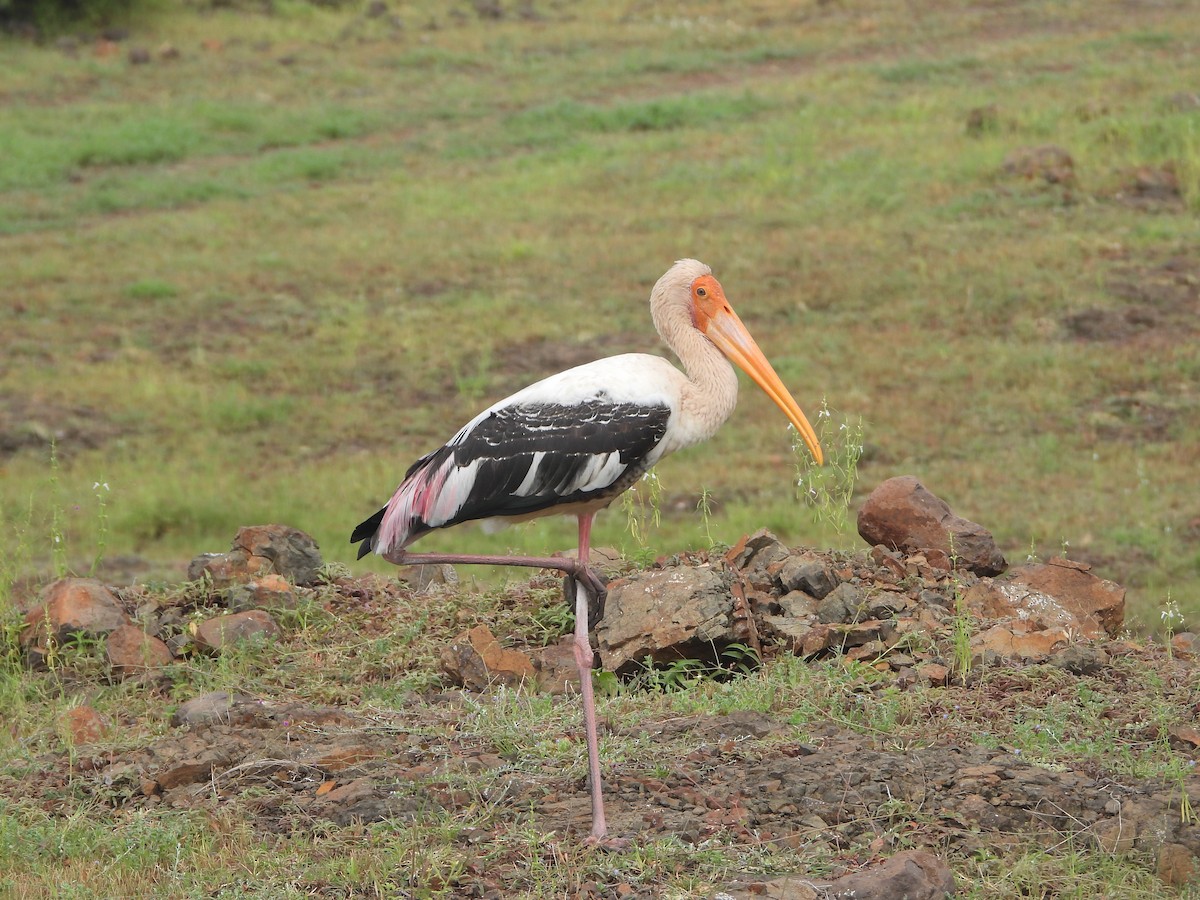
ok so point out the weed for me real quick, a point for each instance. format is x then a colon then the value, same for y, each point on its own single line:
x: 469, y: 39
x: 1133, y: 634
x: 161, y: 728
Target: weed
x: 1172, y: 619
x: 827, y: 489
x: 642, y: 506
x: 101, y: 490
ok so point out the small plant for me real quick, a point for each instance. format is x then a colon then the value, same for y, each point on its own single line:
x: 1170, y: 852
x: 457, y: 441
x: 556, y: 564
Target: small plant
x: 705, y: 508
x: 678, y: 675
x: 58, y: 537
x: 643, y: 510
x: 828, y: 489
x: 101, y: 490
x: 1171, y: 618
x: 961, y: 627
x: 740, y: 658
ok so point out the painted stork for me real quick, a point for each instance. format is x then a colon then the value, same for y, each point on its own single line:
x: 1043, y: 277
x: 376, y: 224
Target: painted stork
x: 575, y: 441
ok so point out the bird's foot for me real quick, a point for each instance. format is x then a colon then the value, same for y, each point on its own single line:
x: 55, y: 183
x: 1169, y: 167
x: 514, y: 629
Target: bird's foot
x: 606, y: 843
x: 597, y: 588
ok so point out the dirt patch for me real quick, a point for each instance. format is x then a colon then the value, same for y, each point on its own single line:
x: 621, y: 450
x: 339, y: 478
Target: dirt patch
x: 291, y: 769
x: 30, y: 425
x: 1162, y: 304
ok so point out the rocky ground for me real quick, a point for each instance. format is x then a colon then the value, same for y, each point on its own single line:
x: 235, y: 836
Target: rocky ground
x: 925, y: 613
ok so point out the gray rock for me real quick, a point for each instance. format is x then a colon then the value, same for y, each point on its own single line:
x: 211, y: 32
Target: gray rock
x: 261, y: 550
x: 669, y: 614
x: 841, y: 605
x: 756, y: 552
x: 1080, y: 659
x: 808, y: 572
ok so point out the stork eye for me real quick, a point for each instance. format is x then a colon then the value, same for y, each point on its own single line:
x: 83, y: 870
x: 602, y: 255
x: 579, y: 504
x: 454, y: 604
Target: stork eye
x: 701, y: 292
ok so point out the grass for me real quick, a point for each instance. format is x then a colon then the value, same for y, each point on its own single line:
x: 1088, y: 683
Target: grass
x: 852, y: 184
x: 229, y: 280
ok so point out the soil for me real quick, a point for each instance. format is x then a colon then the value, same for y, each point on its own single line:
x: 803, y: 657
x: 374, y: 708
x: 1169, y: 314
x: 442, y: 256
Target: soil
x: 845, y: 796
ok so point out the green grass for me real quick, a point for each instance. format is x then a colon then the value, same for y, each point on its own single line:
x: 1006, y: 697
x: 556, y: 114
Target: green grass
x: 254, y: 283
x: 311, y: 234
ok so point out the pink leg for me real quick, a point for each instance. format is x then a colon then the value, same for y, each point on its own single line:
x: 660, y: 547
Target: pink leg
x: 560, y: 563
x: 584, y: 580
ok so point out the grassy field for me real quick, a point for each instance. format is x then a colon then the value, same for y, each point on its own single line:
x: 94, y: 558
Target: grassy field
x: 253, y: 282
x: 253, y: 278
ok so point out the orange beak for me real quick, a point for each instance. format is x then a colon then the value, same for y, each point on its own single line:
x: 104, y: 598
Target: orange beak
x: 726, y: 331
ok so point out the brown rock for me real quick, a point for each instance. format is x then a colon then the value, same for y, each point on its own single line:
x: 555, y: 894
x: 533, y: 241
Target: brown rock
x: 132, y: 652
x: 272, y: 592
x: 668, y: 614
x: 189, y: 771
x: 1175, y: 865
x: 1019, y: 640
x: 83, y: 725
x: 902, y: 515
x: 260, y: 550
x: 557, y: 672
x: 1097, y: 604
x: 935, y: 673
x: 72, y: 606
x: 754, y: 553
x: 1185, y: 645
x: 348, y: 752
x: 911, y: 874
x: 476, y: 660
x: 216, y: 634
x: 820, y: 638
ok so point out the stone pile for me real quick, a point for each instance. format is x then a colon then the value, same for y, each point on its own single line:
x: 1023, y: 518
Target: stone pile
x: 144, y: 634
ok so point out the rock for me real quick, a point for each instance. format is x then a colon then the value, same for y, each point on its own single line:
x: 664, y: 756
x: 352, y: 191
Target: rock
x: 260, y: 550
x: 935, y: 673
x: 902, y: 515
x: 557, y: 672
x: 910, y: 874
x: 808, y: 572
x: 430, y: 576
x: 72, y: 606
x: 798, y: 605
x: 476, y: 660
x: 1185, y: 645
x: 841, y: 605
x: 131, y: 651
x: 215, y: 706
x: 754, y: 553
x: 347, y: 751
x: 83, y: 725
x: 217, y: 633
x: 138, y: 56
x: 271, y: 592
x: 783, y: 887
x: 1079, y: 659
x: 1098, y: 605
x: 669, y: 614
x: 1019, y: 640
x: 1048, y: 162
x: 1175, y: 865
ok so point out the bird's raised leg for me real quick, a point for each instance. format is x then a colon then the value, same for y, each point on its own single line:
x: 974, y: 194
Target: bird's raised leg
x: 577, y: 567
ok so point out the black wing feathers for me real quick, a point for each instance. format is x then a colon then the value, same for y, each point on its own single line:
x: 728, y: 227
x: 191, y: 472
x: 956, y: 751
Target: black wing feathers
x: 504, y: 445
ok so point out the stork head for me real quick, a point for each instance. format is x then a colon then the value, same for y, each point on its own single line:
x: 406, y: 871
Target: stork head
x: 689, y: 296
